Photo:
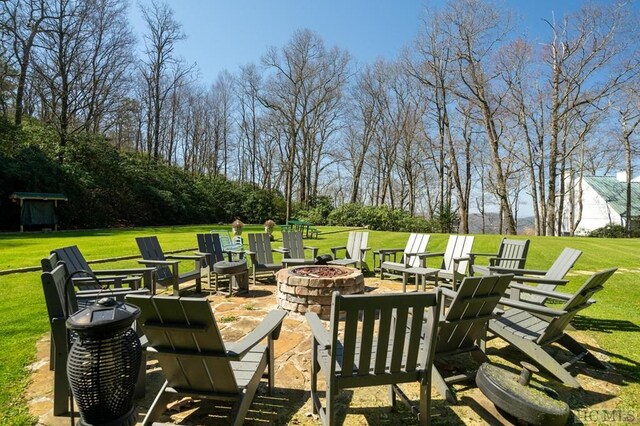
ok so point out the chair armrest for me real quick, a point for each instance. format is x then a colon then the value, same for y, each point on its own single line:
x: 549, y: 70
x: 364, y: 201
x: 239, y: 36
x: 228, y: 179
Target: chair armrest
x: 537, y: 280
x: 184, y: 256
x: 533, y: 308
x: 126, y: 271
x: 447, y: 292
x: 320, y: 334
x: 473, y: 254
x: 202, y: 254
x: 517, y: 271
x: 541, y: 292
x: 269, y: 327
x: 431, y: 254
x: 314, y: 250
x: 366, y: 249
x: 392, y: 250
x: 281, y: 250
x: 159, y: 262
x: 334, y: 250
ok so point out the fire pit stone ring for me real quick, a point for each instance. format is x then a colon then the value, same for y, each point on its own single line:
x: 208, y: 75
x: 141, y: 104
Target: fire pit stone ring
x: 308, y: 288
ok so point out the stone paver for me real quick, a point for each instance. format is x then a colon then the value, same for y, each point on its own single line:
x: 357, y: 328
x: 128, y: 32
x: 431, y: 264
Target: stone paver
x: 290, y: 403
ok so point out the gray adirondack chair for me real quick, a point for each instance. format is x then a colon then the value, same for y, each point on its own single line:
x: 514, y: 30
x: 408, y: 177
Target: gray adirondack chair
x: 115, y: 278
x: 183, y: 335
x: 167, y: 267
x: 294, y: 249
x: 354, y: 252
x: 455, y: 260
x: 462, y: 326
x: 546, y: 280
x: 210, y: 248
x: 62, y: 302
x: 528, y: 327
x: 385, y: 342
x: 512, y: 254
x: 416, y: 246
x: 261, y: 255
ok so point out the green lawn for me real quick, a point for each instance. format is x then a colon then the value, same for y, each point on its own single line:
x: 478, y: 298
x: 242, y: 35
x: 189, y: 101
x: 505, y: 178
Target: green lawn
x: 614, y: 321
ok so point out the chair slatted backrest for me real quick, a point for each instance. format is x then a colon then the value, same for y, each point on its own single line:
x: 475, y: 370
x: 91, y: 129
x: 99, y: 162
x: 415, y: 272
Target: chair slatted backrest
x: 226, y: 241
x: 150, y: 250
x: 210, y: 243
x: 512, y: 253
x: 292, y: 240
x: 457, y: 246
x: 387, y: 325
x: 75, y: 261
x: 260, y: 244
x: 417, y: 243
x: 464, y: 322
x: 356, y: 243
x: 563, y: 263
x: 579, y: 301
x: 187, y: 343
x: 53, y: 286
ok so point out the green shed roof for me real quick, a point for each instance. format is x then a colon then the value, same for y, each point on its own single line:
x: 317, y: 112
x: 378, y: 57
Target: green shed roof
x: 37, y: 196
x: 614, y: 193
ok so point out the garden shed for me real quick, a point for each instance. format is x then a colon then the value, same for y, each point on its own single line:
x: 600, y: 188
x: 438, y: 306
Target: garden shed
x: 38, y: 208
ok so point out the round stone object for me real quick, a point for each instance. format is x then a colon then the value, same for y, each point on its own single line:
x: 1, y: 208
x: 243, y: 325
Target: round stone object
x: 527, y: 403
x: 231, y: 268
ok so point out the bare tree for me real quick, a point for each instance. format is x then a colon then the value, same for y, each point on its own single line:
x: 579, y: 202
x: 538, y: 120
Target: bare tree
x: 22, y: 22
x: 305, y: 78
x: 163, y: 33
x: 475, y: 28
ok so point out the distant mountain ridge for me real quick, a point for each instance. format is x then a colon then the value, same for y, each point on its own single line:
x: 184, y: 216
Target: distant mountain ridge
x: 492, y: 224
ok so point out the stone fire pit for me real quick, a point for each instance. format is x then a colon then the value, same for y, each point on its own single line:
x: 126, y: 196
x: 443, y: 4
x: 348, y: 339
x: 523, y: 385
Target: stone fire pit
x: 308, y: 288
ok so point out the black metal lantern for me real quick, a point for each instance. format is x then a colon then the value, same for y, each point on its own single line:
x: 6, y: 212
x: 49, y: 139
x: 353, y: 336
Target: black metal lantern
x: 104, y: 361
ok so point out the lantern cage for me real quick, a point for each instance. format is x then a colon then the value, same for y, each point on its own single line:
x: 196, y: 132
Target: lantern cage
x: 103, y: 363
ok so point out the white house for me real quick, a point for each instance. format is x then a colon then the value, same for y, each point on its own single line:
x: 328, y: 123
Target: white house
x: 604, y: 202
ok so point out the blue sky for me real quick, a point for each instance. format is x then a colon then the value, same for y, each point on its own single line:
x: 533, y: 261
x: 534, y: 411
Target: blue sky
x: 224, y: 34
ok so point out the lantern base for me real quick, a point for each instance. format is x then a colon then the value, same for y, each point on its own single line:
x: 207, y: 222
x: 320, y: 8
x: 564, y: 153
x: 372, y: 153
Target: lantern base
x: 128, y: 419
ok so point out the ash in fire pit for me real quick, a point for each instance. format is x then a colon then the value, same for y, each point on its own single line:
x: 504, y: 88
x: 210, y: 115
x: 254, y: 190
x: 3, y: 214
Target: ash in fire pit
x: 320, y: 271
x: 308, y: 288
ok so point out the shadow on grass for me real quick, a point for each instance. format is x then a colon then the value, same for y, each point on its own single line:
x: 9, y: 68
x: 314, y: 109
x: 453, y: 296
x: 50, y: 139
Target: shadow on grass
x: 603, y: 325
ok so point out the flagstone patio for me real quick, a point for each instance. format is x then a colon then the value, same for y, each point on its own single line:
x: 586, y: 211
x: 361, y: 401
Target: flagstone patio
x: 290, y: 403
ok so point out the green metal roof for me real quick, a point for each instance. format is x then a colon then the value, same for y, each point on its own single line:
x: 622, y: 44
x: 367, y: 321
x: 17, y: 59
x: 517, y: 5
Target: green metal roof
x: 37, y: 196
x: 614, y: 193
